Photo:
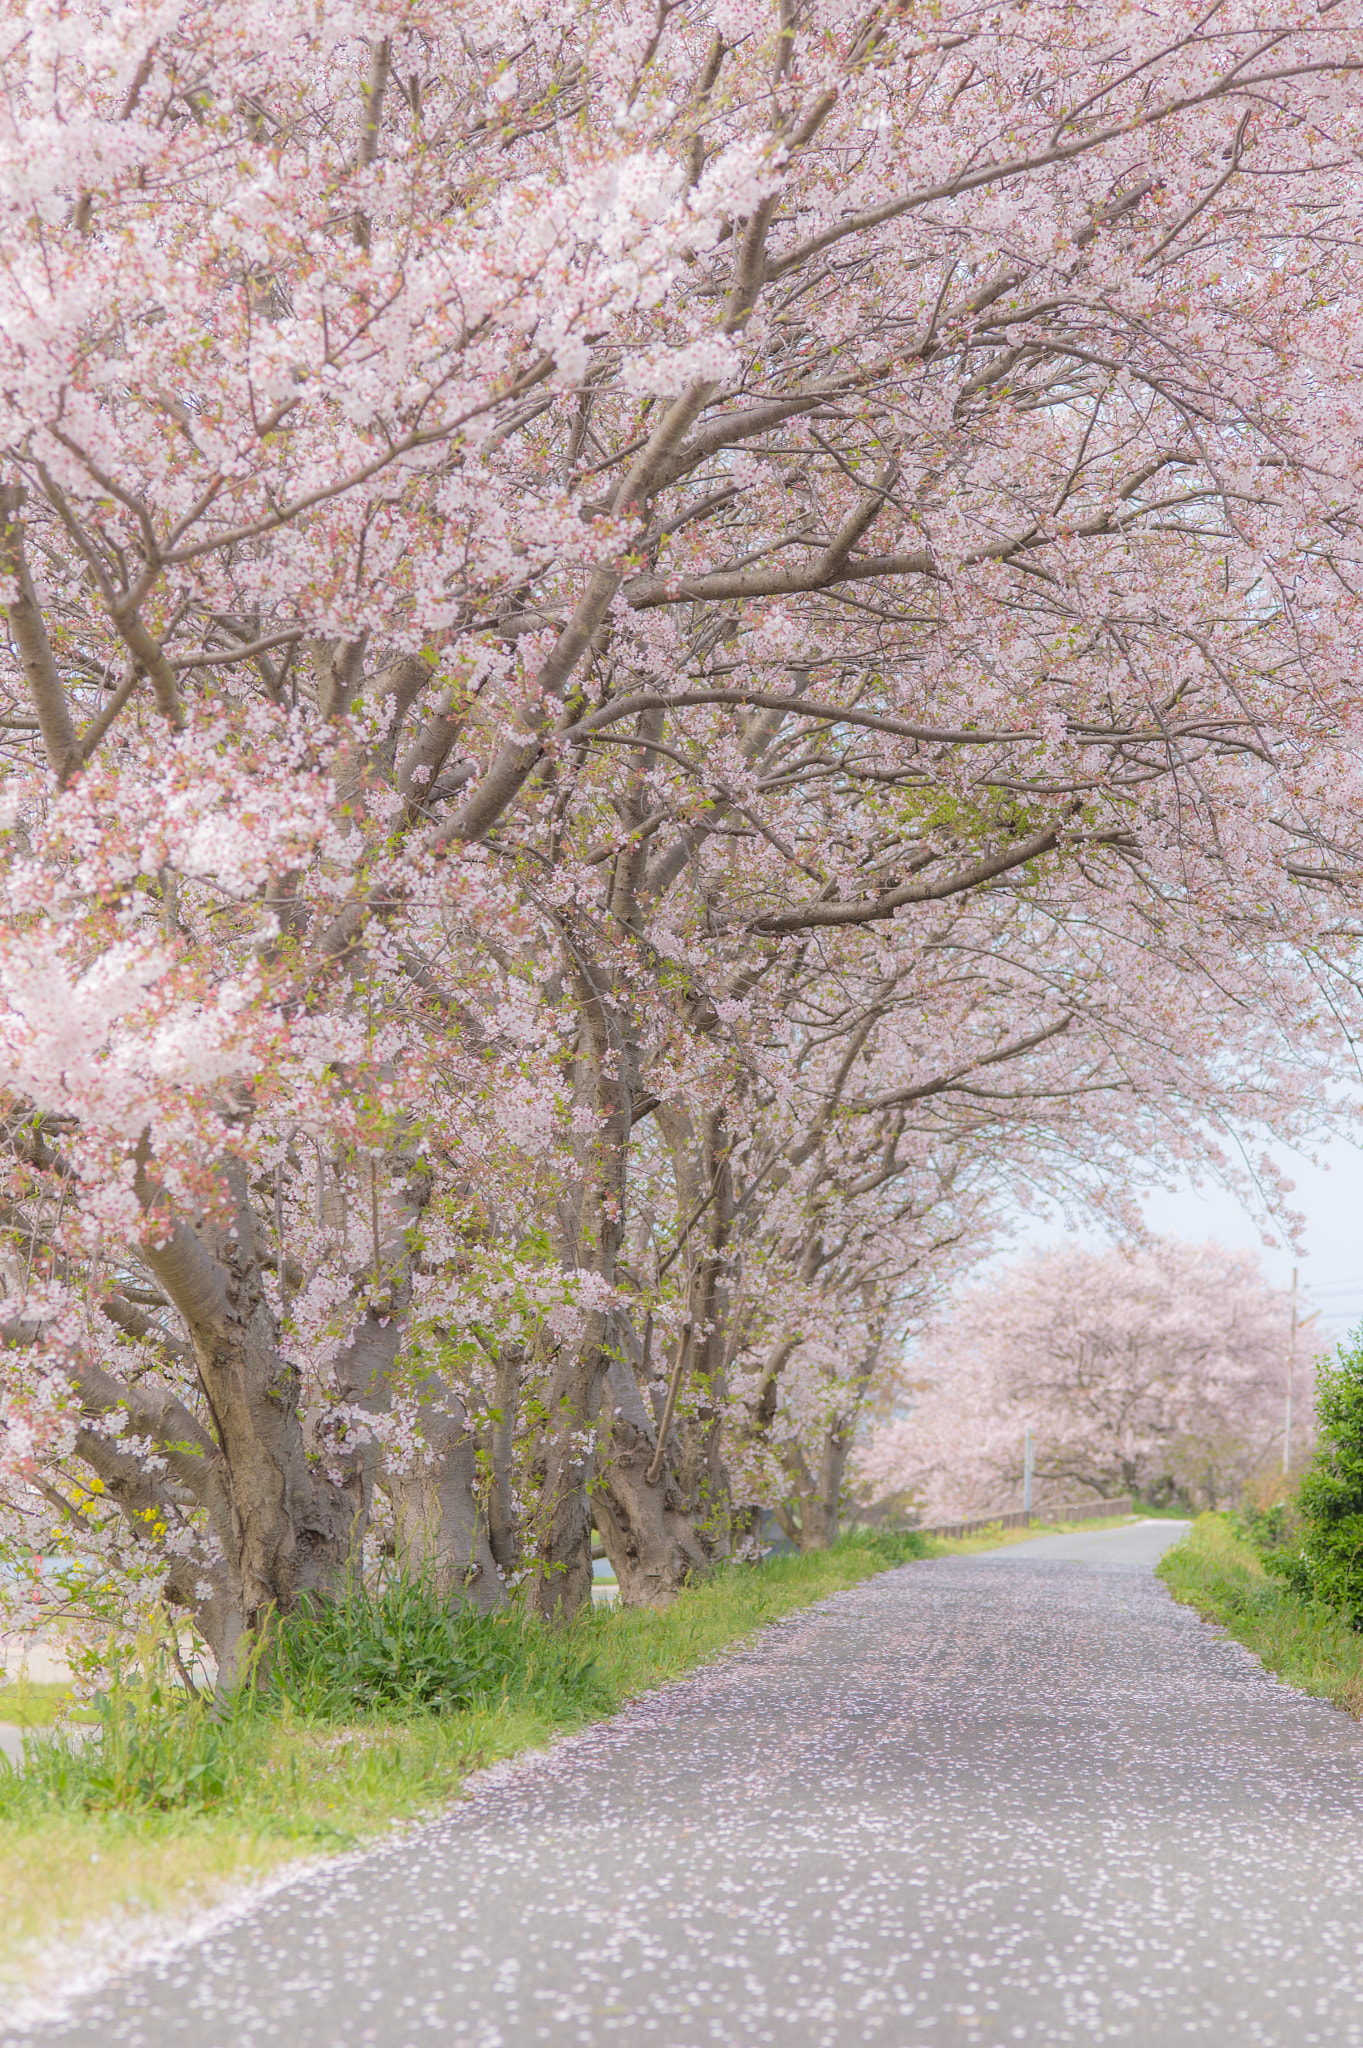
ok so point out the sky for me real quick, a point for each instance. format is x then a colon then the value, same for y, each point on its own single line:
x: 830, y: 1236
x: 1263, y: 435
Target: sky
x: 1330, y: 1261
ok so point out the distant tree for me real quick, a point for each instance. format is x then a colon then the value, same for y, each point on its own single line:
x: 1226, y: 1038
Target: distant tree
x: 1159, y: 1371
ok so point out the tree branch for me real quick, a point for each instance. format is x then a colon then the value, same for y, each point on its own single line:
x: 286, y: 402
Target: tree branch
x: 35, y: 649
x: 817, y: 916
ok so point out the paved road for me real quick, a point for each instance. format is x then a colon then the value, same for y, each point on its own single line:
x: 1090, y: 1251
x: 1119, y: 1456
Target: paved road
x: 991, y: 1802
x: 1130, y: 1543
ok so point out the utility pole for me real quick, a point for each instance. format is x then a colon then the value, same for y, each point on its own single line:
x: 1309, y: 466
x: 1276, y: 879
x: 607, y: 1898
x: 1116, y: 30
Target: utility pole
x: 1291, y: 1375
x: 1028, y: 1467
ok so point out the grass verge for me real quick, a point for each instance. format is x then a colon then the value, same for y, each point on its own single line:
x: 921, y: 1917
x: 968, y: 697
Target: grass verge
x: 1221, y: 1576
x: 286, y: 1786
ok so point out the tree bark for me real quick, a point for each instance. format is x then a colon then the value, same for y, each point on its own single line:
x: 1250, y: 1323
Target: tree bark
x: 288, y: 1528
x: 561, y: 1579
x: 441, y: 1531
x: 29, y: 634
x: 705, y: 1194
x: 819, y: 1494
x: 821, y: 1507
x: 504, y: 1534
x: 648, y: 1535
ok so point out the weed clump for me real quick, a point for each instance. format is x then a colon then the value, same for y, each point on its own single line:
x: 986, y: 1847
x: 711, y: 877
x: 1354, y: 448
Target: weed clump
x: 1267, y: 1530
x: 157, y: 1746
x: 399, y: 1649
x: 886, y: 1547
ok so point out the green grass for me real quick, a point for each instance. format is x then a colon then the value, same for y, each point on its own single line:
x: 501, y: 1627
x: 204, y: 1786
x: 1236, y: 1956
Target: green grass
x: 1215, y: 1571
x: 169, y: 1807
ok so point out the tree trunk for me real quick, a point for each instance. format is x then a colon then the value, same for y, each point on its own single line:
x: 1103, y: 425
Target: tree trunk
x: 561, y: 1578
x: 820, y: 1493
x: 700, y: 1160
x: 440, y: 1528
x: 286, y: 1528
x: 821, y: 1508
x: 504, y: 1534
x: 648, y: 1536
x: 561, y: 1581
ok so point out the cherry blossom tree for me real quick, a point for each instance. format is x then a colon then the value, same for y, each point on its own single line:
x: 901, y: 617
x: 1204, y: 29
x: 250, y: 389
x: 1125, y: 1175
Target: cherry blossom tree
x: 651, y: 649
x: 1161, y: 1371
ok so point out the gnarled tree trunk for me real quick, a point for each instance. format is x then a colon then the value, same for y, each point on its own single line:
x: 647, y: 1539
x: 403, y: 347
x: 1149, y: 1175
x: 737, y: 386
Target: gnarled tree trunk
x: 440, y: 1526
x: 284, y: 1527
x: 561, y: 1579
x: 643, y: 1523
x: 700, y: 1158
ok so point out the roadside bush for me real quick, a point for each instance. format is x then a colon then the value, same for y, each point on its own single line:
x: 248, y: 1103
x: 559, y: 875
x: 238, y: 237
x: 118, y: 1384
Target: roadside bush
x: 1326, y: 1563
x: 1268, y: 1529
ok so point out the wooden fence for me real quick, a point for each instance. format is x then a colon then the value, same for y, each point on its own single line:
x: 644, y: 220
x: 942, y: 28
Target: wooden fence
x: 1020, y: 1518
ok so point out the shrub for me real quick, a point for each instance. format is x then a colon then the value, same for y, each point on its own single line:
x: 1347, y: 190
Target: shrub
x: 1268, y: 1529
x: 1327, y: 1562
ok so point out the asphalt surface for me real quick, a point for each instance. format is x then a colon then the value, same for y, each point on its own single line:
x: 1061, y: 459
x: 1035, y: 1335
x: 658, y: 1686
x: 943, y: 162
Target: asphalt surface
x: 1130, y: 1543
x: 987, y: 1802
